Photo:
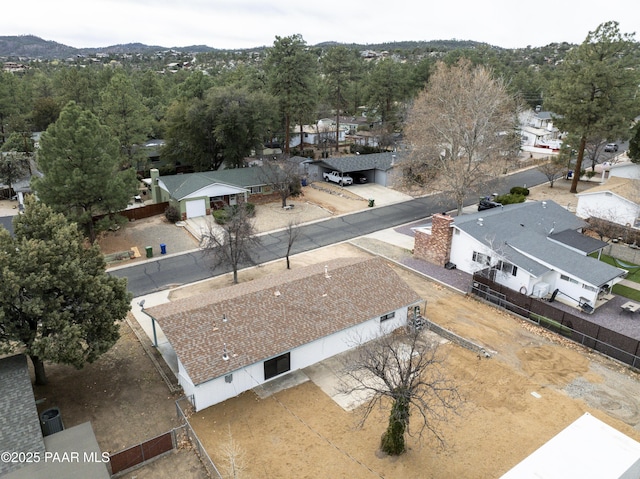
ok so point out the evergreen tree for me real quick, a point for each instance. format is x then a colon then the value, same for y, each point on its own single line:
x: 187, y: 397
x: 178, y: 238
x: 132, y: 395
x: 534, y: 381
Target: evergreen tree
x: 291, y: 71
x: 81, y: 165
x: 595, y: 91
x: 124, y: 113
x: 57, y: 303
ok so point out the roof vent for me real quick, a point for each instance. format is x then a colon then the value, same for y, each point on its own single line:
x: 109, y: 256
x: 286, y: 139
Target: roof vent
x: 224, y: 318
x: 544, y: 204
x: 225, y: 354
x: 276, y: 293
x: 326, y: 272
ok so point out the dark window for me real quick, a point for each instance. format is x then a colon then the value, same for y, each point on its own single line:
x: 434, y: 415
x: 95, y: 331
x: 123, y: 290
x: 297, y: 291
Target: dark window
x: 387, y: 316
x: 276, y: 366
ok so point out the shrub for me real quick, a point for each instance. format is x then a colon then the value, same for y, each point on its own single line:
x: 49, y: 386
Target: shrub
x: 510, y: 199
x: 220, y: 216
x: 172, y: 214
x: 519, y: 190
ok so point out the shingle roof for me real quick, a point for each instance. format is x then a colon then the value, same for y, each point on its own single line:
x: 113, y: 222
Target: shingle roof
x: 626, y: 188
x: 347, y: 164
x: 19, y: 422
x: 269, y: 316
x: 180, y: 186
x: 526, y: 229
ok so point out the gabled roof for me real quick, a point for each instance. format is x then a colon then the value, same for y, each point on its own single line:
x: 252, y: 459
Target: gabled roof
x: 347, y: 164
x: 538, y: 236
x: 181, y: 186
x: 19, y: 423
x: 627, y: 188
x: 272, y: 315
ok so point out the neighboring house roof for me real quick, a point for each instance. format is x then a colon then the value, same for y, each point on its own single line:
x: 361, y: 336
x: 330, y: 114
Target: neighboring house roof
x: 181, y: 186
x: 627, y: 188
x: 539, y: 236
x: 19, y: 423
x: 269, y: 316
x: 347, y: 164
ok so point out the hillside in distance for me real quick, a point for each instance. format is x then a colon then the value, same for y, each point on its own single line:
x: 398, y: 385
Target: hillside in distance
x: 33, y: 47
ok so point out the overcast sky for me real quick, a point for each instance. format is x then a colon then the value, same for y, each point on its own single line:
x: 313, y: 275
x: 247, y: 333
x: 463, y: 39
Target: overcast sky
x: 230, y: 24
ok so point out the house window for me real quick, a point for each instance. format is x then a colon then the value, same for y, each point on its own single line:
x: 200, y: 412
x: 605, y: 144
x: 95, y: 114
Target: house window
x: 256, y: 189
x: 508, y: 268
x: 481, y: 258
x: 276, y: 366
x: 589, y: 288
x: 564, y: 277
x: 387, y: 316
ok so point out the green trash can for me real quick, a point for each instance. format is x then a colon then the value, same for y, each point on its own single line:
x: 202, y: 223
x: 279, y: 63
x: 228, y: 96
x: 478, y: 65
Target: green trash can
x: 149, y: 251
x: 371, y: 202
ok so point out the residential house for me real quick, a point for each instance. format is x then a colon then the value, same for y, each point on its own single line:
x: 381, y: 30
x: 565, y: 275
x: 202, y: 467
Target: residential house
x: 617, y: 200
x: 323, y: 133
x: 379, y: 168
x: 20, y: 432
x: 231, y: 340
x: 588, y: 447
x: 537, y: 132
x: 197, y: 194
x: 536, y: 248
x: 624, y: 169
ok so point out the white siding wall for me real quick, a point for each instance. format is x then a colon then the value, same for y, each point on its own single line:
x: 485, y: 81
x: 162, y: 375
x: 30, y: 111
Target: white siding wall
x: 608, y: 207
x: 462, y: 248
x: 217, y: 390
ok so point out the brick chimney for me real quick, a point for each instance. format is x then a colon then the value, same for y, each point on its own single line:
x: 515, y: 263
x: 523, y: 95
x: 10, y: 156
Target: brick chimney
x: 435, y: 247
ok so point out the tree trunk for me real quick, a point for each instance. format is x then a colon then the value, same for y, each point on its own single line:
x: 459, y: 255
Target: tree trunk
x: 38, y: 367
x: 393, y: 439
x: 578, y: 168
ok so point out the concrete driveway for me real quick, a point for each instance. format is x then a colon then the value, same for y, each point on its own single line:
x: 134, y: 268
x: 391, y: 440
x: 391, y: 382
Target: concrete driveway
x: 382, y: 195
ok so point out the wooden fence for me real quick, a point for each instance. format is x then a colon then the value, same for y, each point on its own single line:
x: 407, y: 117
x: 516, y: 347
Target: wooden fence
x: 604, y: 340
x: 140, y: 453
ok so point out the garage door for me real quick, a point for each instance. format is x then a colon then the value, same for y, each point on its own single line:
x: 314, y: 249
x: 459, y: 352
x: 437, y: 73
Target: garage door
x: 196, y: 208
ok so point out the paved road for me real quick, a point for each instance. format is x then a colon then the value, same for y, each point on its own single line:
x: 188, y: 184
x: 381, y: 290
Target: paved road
x: 189, y: 267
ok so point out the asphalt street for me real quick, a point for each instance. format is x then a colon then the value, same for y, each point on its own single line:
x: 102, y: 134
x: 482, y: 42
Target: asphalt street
x: 189, y: 267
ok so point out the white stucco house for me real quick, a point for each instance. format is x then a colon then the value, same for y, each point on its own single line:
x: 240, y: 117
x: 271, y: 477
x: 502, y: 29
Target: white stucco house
x: 624, y: 169
x: 617, y: 200
x: 231, y: 340
x: 534, y: 247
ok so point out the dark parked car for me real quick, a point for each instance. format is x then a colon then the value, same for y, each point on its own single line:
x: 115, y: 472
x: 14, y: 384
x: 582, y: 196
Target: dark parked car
x: 487, y: 204
x: 611, y: 147
x: 359, y: 178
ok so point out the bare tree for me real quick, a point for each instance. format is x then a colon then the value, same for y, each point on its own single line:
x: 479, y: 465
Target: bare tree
x: 283, y: 178
x: 232, y: 242
x: 552, y: 169
x: 292, y: 235
x: 407, y: 369
x: 234, y: 462
x: 462, y: 131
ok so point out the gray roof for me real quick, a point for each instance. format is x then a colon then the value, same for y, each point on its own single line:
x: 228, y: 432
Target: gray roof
x: 374, y: 161
x: 524, y: 233
x: 19, y: 422
x: 180, y: 186
x: 578, y: 241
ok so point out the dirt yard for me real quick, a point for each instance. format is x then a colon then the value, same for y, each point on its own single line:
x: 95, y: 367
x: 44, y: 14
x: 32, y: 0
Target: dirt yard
x: 500, y: 423
x: 301, y: 433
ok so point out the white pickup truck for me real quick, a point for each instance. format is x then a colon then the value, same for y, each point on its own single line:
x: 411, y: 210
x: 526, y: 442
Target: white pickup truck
x: 336, y: 177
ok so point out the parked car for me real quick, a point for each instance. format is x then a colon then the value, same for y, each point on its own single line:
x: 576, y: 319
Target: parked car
x: 359, y: 178
x: 487, y: 204
x: 611, y: 147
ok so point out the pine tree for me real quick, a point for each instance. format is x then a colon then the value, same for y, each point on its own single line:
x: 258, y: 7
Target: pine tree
x: 81, y: 165
x: 57, y: 303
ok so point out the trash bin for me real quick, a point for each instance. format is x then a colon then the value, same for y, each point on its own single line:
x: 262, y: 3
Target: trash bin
x: 149, y: 250
x: 371, y: 202
x: 163, y: 248
x: 304, y: 182
x: 51, y: 421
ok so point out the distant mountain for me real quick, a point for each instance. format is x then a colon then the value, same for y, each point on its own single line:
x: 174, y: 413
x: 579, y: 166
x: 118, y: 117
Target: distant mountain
x: 30, y: 46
